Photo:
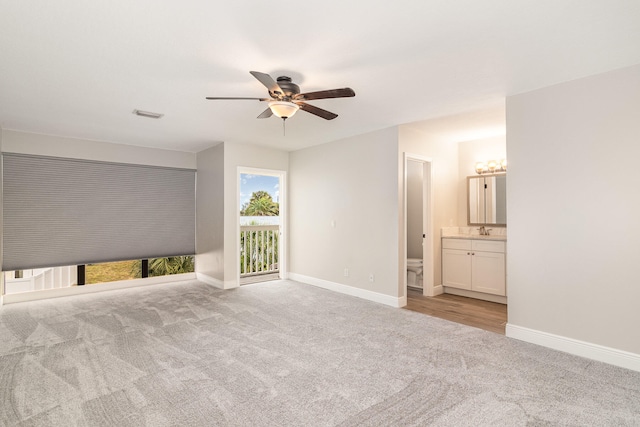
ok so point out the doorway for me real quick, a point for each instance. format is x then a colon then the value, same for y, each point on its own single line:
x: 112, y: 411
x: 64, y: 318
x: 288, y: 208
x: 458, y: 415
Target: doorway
x: 261, y: 223
x: 418, y: 262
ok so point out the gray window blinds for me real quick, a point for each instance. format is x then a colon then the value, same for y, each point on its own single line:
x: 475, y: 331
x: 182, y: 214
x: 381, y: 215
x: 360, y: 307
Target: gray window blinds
x: 60, y: 211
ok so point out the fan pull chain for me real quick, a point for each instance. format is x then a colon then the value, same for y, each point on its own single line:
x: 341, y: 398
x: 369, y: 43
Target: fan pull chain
x: 284, y: 129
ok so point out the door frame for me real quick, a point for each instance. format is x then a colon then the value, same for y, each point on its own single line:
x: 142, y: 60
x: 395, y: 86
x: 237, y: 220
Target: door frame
x: 282, y: 202
x: 428, y: 254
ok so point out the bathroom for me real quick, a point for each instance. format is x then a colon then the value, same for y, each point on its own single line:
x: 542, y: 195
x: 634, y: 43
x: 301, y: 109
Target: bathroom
x: 437, y: 202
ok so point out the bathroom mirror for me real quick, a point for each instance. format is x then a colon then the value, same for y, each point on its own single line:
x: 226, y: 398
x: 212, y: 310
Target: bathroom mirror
x: 487, y: 200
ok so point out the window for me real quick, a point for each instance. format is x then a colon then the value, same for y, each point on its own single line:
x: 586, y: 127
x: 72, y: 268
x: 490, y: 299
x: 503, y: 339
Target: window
x: 19, y: 281
x: 111, y: 272
x: 134, y: 269
x: 171, y: 265
x: 60, y: 211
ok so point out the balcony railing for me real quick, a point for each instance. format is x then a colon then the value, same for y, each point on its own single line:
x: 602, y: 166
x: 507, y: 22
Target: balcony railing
x: 259, y: 249
x: 40, y: 279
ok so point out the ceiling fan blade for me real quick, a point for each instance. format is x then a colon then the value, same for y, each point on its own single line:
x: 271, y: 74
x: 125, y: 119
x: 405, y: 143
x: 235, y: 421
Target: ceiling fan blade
x: 328, y: 115
x: 223, y: 97
x: 266, y: 80
x: 266, y: 114
x: 325, y: 94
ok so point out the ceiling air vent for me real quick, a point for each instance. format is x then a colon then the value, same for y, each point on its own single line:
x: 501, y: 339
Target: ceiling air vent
x: 148, y: 114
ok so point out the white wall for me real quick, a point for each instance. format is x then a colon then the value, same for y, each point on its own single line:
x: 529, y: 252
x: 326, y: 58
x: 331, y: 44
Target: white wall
x: 352, y: 184
x: 210, y: 214
x: 469, y: 153
x: 573, y: 203
x: 1, y: 225
x: 250, y: 156
x: 47, y: 145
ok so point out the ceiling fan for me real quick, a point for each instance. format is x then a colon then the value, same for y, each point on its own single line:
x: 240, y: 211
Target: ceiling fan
x: 285, y: 97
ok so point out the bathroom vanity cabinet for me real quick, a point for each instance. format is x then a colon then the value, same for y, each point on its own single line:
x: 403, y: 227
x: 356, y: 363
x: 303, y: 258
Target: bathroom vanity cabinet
x: 476, y: 265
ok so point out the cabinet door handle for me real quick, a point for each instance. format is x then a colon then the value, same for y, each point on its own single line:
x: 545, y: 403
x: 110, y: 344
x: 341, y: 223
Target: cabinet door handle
x: 468, y: 253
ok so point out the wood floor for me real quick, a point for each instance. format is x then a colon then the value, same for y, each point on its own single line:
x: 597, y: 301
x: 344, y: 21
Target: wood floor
x: 486, y: 315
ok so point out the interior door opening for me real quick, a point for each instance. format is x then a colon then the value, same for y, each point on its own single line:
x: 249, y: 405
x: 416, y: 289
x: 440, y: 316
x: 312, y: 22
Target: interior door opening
x: 418, y: 269
x: 415, y: 225
x: 260, y: 219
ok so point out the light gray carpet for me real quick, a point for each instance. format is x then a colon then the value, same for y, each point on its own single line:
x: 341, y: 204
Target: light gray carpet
x: 284, y: 354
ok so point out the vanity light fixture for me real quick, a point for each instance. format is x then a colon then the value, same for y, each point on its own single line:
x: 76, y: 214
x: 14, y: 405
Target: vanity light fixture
x: 491, y: 166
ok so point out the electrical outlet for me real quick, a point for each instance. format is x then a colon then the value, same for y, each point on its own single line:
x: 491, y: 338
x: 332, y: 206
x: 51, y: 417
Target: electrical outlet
x: 371, y: 277
x: 346, y: 272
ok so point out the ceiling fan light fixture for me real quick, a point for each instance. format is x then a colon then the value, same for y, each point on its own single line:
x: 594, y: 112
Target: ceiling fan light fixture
x: 285, y: 98
x: 283, y: 109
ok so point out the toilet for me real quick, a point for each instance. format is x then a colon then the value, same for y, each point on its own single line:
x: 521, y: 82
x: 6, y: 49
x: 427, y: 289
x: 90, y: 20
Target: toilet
x: 414, y: 272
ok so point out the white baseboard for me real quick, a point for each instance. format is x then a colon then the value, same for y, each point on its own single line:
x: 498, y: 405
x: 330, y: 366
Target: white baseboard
x: 98, y: 287
x: 210, y: 280
x: 597, y: 352
x: 435, y: 291
x: 350, y: 290
x: 205, y: 278
x: 477, y: 295
x: 402, y: 301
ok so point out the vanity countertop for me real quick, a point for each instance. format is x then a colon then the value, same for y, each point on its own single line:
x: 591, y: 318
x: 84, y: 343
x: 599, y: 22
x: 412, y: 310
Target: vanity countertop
x: 476, y: 237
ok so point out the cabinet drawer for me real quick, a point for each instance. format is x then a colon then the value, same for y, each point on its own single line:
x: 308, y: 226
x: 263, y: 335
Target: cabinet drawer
x: 487, y: 246
x: 456, y: 244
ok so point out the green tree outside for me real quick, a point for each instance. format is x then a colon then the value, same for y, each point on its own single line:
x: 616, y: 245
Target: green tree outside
x: 165, y: 266
x: 260, y: 204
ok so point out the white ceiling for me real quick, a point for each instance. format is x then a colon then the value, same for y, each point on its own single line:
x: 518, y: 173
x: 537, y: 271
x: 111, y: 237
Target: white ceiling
x: 79, y: 68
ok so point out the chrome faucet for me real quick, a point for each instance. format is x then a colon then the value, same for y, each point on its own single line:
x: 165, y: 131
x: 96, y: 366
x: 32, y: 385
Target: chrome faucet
x: 484, y: 231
